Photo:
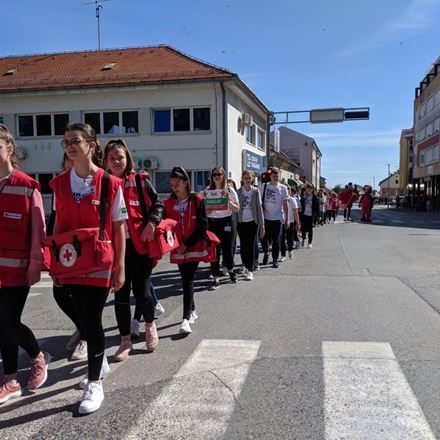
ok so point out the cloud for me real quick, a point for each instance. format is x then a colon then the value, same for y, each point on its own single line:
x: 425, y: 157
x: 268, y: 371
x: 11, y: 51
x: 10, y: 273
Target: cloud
x: 417, y: 17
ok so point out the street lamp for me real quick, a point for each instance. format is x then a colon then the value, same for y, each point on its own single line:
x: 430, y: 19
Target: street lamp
x: 388, y: 195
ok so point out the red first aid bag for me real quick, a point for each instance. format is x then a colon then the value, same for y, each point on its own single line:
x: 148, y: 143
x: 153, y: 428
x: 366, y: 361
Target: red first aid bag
x: 211, y: 247
x: 165, y: 239
x: 79, y: 252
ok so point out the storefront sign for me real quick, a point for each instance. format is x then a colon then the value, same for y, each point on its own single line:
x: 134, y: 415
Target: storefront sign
x: 253, y: 162
x: 216, y: 199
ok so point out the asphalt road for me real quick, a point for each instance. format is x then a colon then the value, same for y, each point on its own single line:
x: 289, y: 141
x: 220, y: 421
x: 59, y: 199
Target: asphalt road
x: 339, y: 343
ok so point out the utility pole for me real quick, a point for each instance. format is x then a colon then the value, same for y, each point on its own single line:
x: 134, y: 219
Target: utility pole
x: 98, y: 8
x: 388, y: 195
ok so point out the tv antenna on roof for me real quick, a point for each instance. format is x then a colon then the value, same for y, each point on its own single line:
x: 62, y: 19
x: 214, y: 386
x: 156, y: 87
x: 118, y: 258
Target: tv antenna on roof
x: 98, y: 8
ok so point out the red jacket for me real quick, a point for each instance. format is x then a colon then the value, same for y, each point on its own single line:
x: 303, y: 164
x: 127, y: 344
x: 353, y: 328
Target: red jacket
x: 71, y: 215
x: 186, y: 228
x: 15, y: 227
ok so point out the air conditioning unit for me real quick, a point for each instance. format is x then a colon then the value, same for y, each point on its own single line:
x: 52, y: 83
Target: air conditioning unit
x: 150, y: 164
x: 246, y: 119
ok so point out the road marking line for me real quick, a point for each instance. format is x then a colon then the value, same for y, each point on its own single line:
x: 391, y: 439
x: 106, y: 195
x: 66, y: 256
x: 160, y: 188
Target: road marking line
x: 43, y: 284
x: 202, y: 396
x: 35, y: 294
x: 397, y: 221
x: 367, y: 395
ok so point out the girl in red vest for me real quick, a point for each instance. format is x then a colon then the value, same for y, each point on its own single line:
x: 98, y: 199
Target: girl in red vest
x: 188, y: 209
x: 138, y: 192
x: 21, y: 232
x: 77, y: 199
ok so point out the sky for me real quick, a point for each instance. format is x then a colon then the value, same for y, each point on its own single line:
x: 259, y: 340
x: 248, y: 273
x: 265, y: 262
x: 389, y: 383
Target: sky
x: 294, y: 54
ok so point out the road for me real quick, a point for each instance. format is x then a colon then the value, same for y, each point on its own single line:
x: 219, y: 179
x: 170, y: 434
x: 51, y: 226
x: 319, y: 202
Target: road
x: 339, y: 343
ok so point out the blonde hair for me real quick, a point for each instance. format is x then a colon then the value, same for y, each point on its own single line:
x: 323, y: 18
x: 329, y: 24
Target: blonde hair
x: 6, y: 135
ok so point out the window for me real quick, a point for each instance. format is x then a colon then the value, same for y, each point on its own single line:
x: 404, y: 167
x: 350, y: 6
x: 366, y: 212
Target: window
x: 261, y: 139
x: 115, y: 122
x: 249, y: 134
x: 43, y: 125
x: 26, y: 125
x: 201, y: 118
x: 437, y: 125
x: 200, y: 180
x: 162, y: 121
x: 52, y: 124
x: 162, y: 181
x: 181, y: 119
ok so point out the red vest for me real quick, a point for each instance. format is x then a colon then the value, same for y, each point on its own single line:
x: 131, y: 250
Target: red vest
x: 71, y: 215
x: 185, y: 228
x: 15, y: 228
x: 135, y: 217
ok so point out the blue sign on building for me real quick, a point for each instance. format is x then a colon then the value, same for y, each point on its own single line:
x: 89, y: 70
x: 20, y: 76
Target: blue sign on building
x: 253, y: 162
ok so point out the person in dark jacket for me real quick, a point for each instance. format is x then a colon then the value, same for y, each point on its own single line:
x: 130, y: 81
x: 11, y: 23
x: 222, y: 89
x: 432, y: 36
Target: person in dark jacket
x: 310, y: 209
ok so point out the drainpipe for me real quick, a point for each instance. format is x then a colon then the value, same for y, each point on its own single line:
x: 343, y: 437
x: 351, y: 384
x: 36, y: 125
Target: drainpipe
x: 224, y: 125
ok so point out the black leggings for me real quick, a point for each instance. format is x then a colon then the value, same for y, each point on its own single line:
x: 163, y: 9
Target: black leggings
x: 187, y: 271
x: 248, y: 236
x: 13, y: 333
x: 307, y: 227
x: 64, y: 301
x: 287, y: 234
x: 273, y: 234
x: 89, y: 302
x: 226, y: 237
x: 137, y: 277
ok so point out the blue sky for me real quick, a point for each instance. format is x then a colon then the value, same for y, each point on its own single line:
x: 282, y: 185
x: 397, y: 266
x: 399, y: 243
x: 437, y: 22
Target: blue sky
x: 294, y: 54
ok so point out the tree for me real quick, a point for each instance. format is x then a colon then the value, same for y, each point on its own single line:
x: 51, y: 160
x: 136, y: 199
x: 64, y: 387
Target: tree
x: 337, y: 188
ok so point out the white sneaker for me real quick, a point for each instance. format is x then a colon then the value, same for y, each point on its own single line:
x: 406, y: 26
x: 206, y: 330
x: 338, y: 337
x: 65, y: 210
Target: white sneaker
x: 80, y: 351
x: 290, y: 255
x: 282, y: 259
x: 242, y: 270
x: 193, y: 317
x: 134, y: 328
x: 309, y: 246
x: 105, y: 370
x: 159, y: 309
x: 185, y: 328
x: 92, y: 398
x: 249, y: 276
x: 73, y: 341
x: 225, y: 271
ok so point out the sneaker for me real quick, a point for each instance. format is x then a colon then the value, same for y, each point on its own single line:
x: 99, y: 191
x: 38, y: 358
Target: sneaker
x: 193, y: 317
x: 309, y: 246
x: 9, y: 390
x: 92, y: 398
x: 134, y: 328
x: 275, y: 264
x: 290, y: 255
x: 105, y: 371
x: 80, y: 351
x: 123, y: 352
x: 151, y: 337
x: 242, y: 270
x: 159, y: 309
x: 283, y: 259
x: 73, y: 341
x: 214, y: 285
x: 265, y: 259
x: 249, y: 276
x: 233, y: 277
x: 184, y: 327
x: 257, y: 267
x: 225, y: 271
x: 210, y: 277
x: 38, y: 373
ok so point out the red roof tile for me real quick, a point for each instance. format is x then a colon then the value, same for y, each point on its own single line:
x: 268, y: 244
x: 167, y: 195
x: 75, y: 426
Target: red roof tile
x: 85, y: 69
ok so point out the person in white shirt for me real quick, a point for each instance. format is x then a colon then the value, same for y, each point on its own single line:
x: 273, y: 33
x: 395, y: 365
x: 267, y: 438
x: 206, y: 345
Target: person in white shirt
x: 220, y: 222
x: 294, y: 225
x: 275, y: 209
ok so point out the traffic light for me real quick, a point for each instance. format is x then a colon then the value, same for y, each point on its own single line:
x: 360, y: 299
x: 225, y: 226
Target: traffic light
x: 265, y: 177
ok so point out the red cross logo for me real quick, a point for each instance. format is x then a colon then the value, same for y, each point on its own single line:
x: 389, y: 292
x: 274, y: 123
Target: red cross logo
x: 68, y: 255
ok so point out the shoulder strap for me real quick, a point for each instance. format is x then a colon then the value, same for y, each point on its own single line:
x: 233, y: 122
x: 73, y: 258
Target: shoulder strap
x: 141, y: 196
x: 264, y: 194
x: 103, y: 204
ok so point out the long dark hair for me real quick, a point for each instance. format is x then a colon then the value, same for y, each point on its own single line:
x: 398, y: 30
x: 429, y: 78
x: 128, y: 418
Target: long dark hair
x: 225, y: 180
x: 182, y: 174
x: 120, y: 143
x: 90, y: 136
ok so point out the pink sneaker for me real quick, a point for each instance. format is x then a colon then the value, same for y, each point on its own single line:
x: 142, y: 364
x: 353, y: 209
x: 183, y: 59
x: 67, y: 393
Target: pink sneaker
x: 123, y: 352
x: 151, y: 337
x: 38, y: 374
x: 9, y: 390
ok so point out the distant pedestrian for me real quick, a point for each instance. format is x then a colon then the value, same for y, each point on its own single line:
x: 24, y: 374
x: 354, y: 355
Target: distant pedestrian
x: 310, y: 209
x: 366, y: 204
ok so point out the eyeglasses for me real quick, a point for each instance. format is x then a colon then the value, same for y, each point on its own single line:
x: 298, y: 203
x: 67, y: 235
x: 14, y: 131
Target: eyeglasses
x: 74, y: 142
x: 217, y: 174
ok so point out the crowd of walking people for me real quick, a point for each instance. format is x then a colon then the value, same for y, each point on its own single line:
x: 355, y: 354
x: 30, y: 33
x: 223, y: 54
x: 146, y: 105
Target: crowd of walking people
x: 99, y: 240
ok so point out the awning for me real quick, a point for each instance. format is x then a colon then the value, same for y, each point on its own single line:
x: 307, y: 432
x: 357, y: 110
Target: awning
x: 294, y: 182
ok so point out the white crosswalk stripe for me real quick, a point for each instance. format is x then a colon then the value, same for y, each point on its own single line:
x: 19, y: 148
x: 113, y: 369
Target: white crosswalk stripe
x: 367, y: 395
x: 201, y: 398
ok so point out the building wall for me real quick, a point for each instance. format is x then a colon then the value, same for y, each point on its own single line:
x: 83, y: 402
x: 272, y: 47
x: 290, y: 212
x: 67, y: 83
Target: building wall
x: 391, y: 186
x: 406, y: 140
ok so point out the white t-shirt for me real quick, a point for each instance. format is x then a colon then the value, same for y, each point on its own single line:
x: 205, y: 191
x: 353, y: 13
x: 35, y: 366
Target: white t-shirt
x: 82, y: 187
x: 292, y: 204
x: 226, y: 213
x: 273, y: 201
x: 246, y: 199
